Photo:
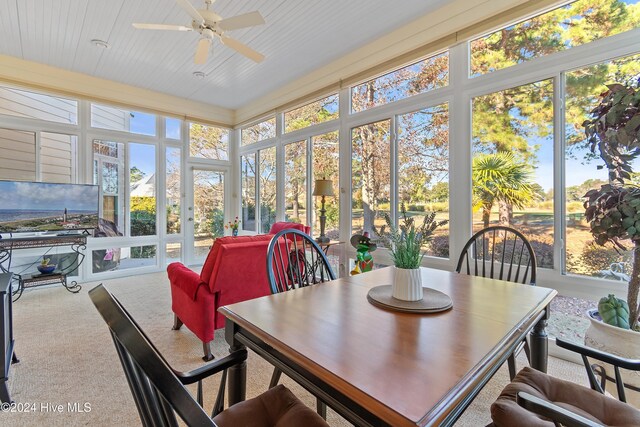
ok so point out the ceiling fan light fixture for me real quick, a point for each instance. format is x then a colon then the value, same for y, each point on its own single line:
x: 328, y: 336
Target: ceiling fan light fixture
x: 199, y: 75
x: 100, y: 43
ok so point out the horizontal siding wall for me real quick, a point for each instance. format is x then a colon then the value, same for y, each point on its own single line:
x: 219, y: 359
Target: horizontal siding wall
x: 15, y: 102
x: 56, y: 157
x: 17, y: 155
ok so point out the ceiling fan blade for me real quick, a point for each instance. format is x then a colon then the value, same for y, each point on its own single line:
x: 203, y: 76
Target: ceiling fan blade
x: 202, y: 51
x: 161, y: 27
x: 241, y: 21
x: 188, y: 7
x: 242, y: 48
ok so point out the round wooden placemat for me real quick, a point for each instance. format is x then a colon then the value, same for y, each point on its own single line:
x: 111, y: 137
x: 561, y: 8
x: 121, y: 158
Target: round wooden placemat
x: 433, y: 301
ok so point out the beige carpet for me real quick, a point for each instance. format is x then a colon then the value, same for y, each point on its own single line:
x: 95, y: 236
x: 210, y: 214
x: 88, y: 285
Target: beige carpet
x: 66, y: 356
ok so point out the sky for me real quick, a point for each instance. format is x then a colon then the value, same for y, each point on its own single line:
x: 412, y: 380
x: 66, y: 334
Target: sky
x: 46, y: 196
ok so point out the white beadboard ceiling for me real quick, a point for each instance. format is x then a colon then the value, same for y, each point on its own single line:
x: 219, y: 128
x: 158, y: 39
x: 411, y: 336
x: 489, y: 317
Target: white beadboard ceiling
x: 299, y: 37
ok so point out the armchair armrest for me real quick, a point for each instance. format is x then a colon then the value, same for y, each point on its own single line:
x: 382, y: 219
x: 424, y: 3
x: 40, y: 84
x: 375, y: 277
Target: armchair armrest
x: 212, y: 368
x: 621, y: 362
x: 205, y: 371
x: 554, y: 412
x: 616, y: 361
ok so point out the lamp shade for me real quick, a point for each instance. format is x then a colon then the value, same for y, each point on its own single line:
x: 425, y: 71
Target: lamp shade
x: 323, y: 187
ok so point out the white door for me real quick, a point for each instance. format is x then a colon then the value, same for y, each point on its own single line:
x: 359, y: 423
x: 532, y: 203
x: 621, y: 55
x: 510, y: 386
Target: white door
x: 206, y: 214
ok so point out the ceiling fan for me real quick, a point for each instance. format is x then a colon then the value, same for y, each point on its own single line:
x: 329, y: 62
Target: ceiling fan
x: 209, y: 24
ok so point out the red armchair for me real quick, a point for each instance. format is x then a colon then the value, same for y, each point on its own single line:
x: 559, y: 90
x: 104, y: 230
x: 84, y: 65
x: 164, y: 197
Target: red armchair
x: 279, y: 226
x: 235, y: 270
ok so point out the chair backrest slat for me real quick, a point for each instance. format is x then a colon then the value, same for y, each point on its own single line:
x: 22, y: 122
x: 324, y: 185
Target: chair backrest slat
x: 299, y: 257
x: 503, y: 245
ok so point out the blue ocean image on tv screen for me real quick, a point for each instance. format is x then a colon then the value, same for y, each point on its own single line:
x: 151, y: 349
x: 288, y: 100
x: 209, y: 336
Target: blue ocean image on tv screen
x: 39, y: 206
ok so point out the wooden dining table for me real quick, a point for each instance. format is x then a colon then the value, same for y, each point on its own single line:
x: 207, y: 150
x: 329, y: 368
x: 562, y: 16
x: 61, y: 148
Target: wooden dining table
x: 380, y: 367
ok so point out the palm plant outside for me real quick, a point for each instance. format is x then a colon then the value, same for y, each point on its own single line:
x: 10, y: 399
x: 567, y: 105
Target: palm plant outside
x: 499, y: 177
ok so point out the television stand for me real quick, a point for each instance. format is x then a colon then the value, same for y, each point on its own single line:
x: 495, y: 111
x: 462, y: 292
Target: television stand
x: 77, y: 243
x: 7, y: 354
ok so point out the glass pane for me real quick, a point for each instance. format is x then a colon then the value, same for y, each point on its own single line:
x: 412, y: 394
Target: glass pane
x: 267, y: 188
x: 112, y: 259
x: 370, y: 176
x: 208, y: 215
x: 316, y: 112
x: 423, y: 76
x: 295, y: 182
x: 513, y: 163
x: 583, y: 255
x: 22, y: 103
x: 17, y: 155
x: 258, y: 132
x: 172, y: 128
x: 173, y: 252
x: 105, y: 117
x: 142, y: 189
x: 108, y: 161
x: 57, y: 157
x: 423, y: 170
x: 568, y: 26
x: 326, y: 155
x: 248, y: 182
x: 208, y: 142
x: 174, y: 193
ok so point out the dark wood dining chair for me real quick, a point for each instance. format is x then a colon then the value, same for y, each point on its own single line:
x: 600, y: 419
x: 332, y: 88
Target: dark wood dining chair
x: 294, y: 260
x: 159, y: 391
x: 502, y: 253
x: 533, y: 398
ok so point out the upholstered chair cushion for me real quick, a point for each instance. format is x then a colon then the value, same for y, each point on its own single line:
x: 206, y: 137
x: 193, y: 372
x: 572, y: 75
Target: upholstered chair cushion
x: 277, y: 407
x: 573, y: 397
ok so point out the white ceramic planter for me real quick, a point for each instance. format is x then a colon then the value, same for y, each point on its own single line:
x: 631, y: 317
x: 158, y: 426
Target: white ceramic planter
x: 407, y: 284
x: 618, y: 341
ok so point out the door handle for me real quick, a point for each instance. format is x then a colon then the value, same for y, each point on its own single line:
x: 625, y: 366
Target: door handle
x: 190, y: 219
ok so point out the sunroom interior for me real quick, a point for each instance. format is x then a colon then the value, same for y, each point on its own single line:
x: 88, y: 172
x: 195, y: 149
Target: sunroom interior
x: 400, y: 119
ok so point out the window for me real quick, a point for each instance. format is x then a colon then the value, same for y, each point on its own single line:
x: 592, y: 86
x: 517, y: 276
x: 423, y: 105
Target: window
x: 423, y: 169
x: 248, y: 183
x: 208, y: 142
x: 267, y: 188
x: 326, y: 155
x: 295, y: 182
x: 428, y: 74
x: 173, y: 187
x: 568, y: 26
x: 142, y: 189
x: 583, y: 255
x: 173, y: 252
x: 513, y: 163
x: 172, y: 128
x: 108, y: 173
x: 111, y: 259
x: 258, y: 132
x: 316, y: 112
x: 371, y: 179
x: 17, y: 155
x: 112, y: 118
x: 22, y: 103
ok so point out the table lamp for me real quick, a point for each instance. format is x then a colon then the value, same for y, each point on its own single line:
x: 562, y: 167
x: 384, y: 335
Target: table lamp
x: 323, y: 188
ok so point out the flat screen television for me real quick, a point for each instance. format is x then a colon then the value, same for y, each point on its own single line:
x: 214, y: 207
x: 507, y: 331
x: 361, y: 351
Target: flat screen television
x: 41, y: 206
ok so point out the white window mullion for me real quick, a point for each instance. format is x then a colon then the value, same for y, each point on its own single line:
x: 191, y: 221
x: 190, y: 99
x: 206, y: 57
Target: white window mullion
x: 460, y: 206
x: 559, y: 199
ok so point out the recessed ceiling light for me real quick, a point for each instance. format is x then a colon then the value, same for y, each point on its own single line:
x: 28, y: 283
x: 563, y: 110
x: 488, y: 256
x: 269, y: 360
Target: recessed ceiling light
x: 199, y: 75
x: 100, y: 43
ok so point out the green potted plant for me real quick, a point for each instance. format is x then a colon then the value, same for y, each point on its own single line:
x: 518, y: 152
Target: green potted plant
x: 406, y: 243
x: 613, y: 213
